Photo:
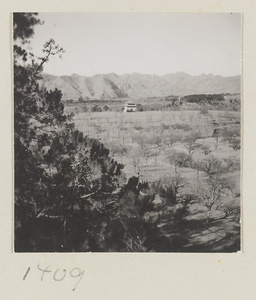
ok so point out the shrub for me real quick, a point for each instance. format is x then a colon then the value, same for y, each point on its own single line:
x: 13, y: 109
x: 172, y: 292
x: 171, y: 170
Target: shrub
x: 138, y: 127
x: 184, y: 127
x: 180, y: 159
x: 165, y: 126
x: 211, y: 166
x: 235, y: 143
x: 140, y: 107
x: 106, y: 108
x: 96, y: 108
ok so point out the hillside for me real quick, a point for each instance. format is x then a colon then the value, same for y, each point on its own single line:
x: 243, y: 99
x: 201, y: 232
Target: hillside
x: 113, y: 86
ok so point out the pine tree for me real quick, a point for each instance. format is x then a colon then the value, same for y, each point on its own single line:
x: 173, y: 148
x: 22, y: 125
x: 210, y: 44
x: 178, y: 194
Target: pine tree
x: 69, y: 194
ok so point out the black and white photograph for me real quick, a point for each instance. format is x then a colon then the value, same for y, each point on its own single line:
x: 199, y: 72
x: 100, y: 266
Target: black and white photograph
x: 127, y: 132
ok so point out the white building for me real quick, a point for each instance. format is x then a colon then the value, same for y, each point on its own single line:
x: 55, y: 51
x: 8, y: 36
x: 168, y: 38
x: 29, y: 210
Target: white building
x: 130, y: 107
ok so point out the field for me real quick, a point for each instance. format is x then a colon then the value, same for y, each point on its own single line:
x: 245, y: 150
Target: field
x: 144, y: 141
x: 181, y: 149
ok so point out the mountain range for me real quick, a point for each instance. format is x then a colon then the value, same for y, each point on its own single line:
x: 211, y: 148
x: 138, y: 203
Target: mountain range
x: 113, y: 86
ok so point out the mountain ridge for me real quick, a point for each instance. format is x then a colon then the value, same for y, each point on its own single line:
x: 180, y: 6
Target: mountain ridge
x: 134, y: 85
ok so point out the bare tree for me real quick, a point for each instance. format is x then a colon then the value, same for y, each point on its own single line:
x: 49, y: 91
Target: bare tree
x: 212, y: 190
x: 211, y: 166
x: 137, y: 163
x: 177, y: 182
x: 179, y: 159
x: 174, y: 183
x: 171, y: 139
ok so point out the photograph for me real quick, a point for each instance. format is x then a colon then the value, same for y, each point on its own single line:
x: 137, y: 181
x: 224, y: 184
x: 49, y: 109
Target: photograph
x: 127, y: 132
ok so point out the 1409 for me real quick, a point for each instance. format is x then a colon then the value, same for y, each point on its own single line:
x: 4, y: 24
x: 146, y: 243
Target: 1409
x: 58, y: 274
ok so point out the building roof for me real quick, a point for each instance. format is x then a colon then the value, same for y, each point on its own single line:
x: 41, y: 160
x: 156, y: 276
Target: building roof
x: 130, y: 103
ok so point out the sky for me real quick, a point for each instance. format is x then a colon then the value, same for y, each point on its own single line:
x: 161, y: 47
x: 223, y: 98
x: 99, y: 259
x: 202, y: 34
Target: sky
x: 148, y: 43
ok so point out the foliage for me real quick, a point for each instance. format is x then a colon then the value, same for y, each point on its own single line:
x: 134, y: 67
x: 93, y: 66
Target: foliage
x: 179, y: 158
x: 80, y: 100
x: 184, y: 127
x: 212, y: 191
x: 69, y: 194
x: 171, y: 139
x: 106, y: 108
x: 211, y: 165
x: 204, y: 99
x: 23, y: 25
x: 232, y: 135
x: 96, y: 108
x: 236, y: 144
x: 172, y: 185
x: 139, y: 107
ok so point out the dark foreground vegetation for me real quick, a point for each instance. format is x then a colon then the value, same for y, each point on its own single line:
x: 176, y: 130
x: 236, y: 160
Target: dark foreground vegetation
x: 70, y: 195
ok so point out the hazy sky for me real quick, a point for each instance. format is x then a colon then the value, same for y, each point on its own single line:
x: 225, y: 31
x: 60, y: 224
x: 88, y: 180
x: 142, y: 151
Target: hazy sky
x: 150, y: 43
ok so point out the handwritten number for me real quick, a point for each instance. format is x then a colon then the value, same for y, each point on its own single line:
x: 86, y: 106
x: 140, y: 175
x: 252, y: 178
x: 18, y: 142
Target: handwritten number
x: 61, y: 278
x: 44, y: 271
x: 24, y: 277
x: 76, y: 272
